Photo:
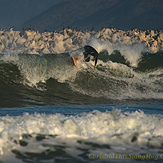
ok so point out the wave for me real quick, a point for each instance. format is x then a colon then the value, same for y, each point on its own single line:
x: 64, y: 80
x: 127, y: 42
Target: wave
x: 53, y: 79
x: 73, y: 138
x: 33, y: 42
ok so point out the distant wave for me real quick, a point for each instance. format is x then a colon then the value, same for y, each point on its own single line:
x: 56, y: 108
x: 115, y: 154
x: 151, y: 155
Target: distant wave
x: 33, y: 42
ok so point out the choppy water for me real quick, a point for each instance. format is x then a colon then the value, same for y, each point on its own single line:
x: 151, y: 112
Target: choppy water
x: 82, y: 133
x: 51, y: 111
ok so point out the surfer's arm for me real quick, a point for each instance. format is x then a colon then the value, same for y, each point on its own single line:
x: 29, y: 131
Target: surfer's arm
x: 95, y: 63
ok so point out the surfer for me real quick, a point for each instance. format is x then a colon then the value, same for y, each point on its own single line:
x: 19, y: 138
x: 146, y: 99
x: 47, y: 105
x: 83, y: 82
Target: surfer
x: 88, y: 52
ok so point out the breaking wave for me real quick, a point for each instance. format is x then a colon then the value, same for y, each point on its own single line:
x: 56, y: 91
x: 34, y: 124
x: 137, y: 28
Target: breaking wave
x: 53, y: 79
x: 75, y: 138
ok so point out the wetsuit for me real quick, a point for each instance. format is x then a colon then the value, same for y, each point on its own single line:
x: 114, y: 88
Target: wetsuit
x: 90, y: 51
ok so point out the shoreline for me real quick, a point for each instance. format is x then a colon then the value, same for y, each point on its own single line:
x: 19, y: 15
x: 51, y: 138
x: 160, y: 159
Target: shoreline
x: 34, y: 42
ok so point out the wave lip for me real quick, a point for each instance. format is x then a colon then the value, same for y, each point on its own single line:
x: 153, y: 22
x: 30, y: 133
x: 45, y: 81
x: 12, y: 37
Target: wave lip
x: 53, y: 79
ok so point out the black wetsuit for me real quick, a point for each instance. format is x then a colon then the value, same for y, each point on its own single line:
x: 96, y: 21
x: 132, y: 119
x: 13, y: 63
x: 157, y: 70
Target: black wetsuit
x: 90, y: 51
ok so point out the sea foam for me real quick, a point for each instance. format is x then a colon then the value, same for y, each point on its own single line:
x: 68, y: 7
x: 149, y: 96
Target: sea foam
x: 33, y: 42
x: 88, y: 132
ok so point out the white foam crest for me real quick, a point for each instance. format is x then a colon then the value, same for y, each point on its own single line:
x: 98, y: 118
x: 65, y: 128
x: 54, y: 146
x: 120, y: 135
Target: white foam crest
x: 119, y: 82
x: 99, y: 45
x: 37, y: 68
x: 9, y: 58
x: 132, y: 53
x: 101, y: 127
x: 33, y: 42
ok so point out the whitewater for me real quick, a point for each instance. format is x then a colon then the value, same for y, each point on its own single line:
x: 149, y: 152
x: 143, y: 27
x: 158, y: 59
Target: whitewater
x: 33, y: 42
x: 52, y: 111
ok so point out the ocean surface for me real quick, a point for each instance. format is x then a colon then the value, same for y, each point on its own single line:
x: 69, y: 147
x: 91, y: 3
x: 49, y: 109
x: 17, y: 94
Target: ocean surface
x: 52, y: 111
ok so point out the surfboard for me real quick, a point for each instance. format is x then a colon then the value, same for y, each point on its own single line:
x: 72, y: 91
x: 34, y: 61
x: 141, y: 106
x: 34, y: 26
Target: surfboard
x: 74, y: 60
x: 87, y: 50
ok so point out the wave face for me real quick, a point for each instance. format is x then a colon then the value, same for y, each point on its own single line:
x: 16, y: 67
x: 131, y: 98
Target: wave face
x: 123, y: 75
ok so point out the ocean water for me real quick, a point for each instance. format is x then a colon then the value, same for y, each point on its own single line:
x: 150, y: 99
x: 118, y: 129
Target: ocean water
x: 52, y: 111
